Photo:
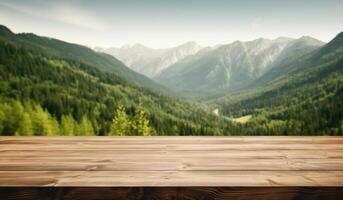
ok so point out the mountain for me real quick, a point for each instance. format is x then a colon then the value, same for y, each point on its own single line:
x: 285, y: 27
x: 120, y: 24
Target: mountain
x: 297, y: 51
x: 305, y: 98
x: 76, y: 52
x: 135, y: 56
x: 234, y: 65
x: 151, y: 62
x: 50, y: 87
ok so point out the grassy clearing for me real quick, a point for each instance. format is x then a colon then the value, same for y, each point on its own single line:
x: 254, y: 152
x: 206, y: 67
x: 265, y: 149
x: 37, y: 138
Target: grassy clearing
x: 243, y: 119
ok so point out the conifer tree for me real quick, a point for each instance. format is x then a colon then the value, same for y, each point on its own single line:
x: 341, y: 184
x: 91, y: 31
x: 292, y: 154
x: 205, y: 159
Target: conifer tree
x: 2, y: 116
x: 14, y: 113
x: 25, y: 126
x: 140, y: 124
x: 121, y: 124
x: 85, y: 127
x: 41, y: 122
x: 55, y: 128
x: 67, y: 125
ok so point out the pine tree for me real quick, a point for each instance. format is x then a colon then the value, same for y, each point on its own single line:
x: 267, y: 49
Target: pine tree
x: 2, y: 116
x: 68, y: 125
x: 13, y: 114
x: 140, y: 122
x: 121, y: 124
x: 25, y: 126
x: 41, y: 122
x: 85, y: 127
x: 55, y: 128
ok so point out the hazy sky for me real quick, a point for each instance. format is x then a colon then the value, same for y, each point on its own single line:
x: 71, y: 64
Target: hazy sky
x: 166, y: 23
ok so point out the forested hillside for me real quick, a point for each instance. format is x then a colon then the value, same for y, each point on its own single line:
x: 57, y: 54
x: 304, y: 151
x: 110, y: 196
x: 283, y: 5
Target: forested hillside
x: 305, y: 98
x: 39, y: 90
x: 50, y: 87
x: 44, y: 94
x: 65, y: 50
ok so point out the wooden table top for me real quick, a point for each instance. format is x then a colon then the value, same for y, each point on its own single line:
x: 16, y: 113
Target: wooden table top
x: 171, y: 161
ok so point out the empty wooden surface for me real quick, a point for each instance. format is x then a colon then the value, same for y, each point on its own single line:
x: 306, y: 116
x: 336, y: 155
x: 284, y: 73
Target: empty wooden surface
x: 172, y: 193
x: 171, y: 161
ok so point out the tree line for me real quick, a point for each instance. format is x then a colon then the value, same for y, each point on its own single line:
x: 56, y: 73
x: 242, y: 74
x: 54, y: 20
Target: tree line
x: 30, y: 119
x: 41, y: 94
x: 74, y: 92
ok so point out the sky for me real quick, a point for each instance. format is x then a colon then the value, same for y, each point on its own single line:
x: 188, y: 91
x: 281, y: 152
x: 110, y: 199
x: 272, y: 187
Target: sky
x: 168, y: 23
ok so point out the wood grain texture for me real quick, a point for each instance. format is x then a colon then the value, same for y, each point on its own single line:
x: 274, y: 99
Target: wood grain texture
x: 136, y: 162
x: 173, y: 193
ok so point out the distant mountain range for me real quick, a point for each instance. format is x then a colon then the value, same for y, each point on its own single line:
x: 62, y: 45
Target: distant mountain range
x: 302, y: 93
x: 263, y: 87
x: 48, y: 85
x: 79, y: 53
x: 151, y: 62
x: 190, y: 67
x: 233, y: 65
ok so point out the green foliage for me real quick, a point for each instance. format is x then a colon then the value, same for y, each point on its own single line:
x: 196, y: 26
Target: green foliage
x: 85, y: 127
x: 308, y: 100
x: 68, y: 51
x: 64, y: 91
x: 2, y: 117
x: 25, y: 127
x: 45, y: 90
x: 140, y: 124
x: 30, y: 119
x: 121, y: 124
x: 68, y: 125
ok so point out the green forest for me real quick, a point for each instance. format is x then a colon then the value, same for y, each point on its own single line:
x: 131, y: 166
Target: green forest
x: 307, y: 100
x: 51, y: 92
x: 45, y: 91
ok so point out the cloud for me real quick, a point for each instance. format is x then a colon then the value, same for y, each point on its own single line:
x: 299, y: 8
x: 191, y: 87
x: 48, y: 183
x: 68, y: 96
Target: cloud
x: 60, y: 12
x: 75, y: 16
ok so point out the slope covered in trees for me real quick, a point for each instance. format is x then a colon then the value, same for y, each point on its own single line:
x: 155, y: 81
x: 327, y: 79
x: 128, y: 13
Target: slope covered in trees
x: 305, y: 98
x: 65, y: 50
x: 48, y: 87
x: 74, y: 98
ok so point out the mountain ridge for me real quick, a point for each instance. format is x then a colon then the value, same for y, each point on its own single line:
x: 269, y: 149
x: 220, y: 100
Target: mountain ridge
x: 149, y: 61
x: 78, y: 52
x: 233, y: 65
x: 44, y: 92
x: 306, y: 98
x: 49, y: 87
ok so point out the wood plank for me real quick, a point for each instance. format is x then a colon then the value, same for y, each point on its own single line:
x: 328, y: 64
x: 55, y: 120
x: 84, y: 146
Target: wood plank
x: 179, y: 147
x: 172, y: 193
x: 173, y: 140
x: 66, y: 153
x: 171, y: 161
x: 144, y: 163
x: 170, y: 178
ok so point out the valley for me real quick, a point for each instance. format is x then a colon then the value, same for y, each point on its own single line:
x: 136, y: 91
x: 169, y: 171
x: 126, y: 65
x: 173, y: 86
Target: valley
x: 283, y: 86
